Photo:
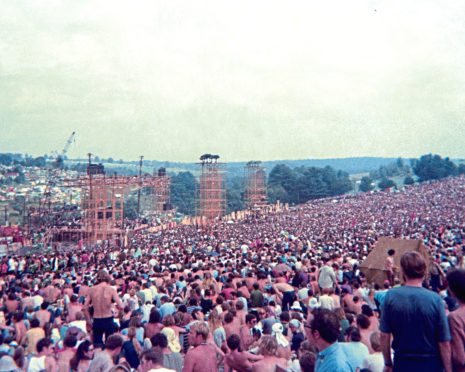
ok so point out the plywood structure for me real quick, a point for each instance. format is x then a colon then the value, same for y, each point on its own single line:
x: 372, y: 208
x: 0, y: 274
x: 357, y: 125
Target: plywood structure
x: 373, y: 266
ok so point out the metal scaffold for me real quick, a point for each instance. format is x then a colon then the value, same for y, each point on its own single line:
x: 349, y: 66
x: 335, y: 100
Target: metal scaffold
x: 255, y: 189
x: 210, y: 189
x: 102, y: 200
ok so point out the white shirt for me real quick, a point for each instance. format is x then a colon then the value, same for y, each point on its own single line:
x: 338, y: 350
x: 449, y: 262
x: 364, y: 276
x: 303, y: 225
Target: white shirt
x: 374, y: 362
x: 326, y: 302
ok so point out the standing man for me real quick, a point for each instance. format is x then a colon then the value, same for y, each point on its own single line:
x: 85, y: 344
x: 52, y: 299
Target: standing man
x: 389, y: 266
x: 416, y: 319
x: 202, y: 357
x: 101, y: 297
x: 326, y: 276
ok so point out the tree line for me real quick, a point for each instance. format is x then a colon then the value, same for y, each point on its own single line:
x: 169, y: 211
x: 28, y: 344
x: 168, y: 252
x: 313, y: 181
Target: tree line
x: 289, y: 185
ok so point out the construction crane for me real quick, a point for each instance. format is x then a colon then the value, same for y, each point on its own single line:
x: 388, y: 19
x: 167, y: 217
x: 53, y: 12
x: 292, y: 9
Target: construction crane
x: 60, y: 158
x: 51, y: 178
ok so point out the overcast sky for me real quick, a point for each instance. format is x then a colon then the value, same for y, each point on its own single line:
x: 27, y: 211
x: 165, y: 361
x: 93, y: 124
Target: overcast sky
x: 248, y: 80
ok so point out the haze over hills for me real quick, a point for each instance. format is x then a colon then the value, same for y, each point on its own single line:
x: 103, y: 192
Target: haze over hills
x: 354, y: 165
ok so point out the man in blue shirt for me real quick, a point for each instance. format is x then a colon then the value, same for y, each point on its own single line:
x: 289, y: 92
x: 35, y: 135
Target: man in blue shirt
x: 323, y: 332
x: 416, y: 319
x: 167, y: 307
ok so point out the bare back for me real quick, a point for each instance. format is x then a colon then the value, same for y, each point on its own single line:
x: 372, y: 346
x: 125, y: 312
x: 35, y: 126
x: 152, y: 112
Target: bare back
x: 201, y: 359
x: 101, y: 297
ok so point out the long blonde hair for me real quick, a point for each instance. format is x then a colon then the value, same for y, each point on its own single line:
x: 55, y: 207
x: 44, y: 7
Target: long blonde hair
x: 214, y: 320
x: 132, y: 337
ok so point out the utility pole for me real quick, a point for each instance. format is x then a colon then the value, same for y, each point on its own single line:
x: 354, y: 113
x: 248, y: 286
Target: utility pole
x: 91, y: 210
x: 140, y: 186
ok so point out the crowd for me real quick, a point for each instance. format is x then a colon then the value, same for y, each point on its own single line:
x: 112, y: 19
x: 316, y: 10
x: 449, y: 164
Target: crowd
x: 274, y: 292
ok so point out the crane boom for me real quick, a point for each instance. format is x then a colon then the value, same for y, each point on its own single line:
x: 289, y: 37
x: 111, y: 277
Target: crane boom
x: 68, y: 143
x: 60, y: 158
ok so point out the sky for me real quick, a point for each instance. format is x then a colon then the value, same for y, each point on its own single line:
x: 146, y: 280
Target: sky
x: 247, y: 80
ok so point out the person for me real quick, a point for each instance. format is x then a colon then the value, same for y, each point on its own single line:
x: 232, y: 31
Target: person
x: 171, y: 359
x: 323, y: 332
x: 287, y: 292
x: 297, y: 336
x: 256, y: 296
x: 245, y: 332
x: 44, y: 359
x: 374, y: 362
x: 65, y: 355
x: 456, y: 280
x: 101, y: 297
x: 81, y: 360
x: 131, y: 348
x: 268, y: 347
x: 236, y: 359
x: 415, y: 317
x: 202, y: 356
x: 355, y: 350
x: 326, y: 276
x: 32, y: 336
x: 389, y: 266
x: 152, y: 361
x: 104, y: 360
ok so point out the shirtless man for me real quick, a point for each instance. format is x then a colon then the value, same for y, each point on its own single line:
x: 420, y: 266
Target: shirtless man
x: 267, y: 348
x: 73, y: 308
x: 287, y: 292
x: 67, y: 354
x: 43, y: 315
x: 230, y: 326
x: 246, y: 331
x: 202, y: 357
x: 236, y: 360
x: 101, y: 297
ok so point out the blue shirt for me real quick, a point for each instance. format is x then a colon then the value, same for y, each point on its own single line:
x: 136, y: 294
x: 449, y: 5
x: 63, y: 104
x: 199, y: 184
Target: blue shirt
x: 356, y: 352
x: 416, y: 318
x: 167, y: 308
x: 333, y: 359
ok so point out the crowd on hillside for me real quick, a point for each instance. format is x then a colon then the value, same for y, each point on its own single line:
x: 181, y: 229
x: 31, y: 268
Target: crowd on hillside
x: 274, y: 292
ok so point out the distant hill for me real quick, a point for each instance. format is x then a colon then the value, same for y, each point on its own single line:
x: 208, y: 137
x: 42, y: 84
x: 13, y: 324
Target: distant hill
x: 349, y: 165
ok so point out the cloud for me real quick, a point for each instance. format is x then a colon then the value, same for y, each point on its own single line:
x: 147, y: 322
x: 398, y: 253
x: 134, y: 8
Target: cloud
x: 248, y: 80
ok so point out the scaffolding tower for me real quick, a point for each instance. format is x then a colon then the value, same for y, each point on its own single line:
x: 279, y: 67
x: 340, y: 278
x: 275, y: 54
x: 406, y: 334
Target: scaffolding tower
x: 102, y: 200
x: 255, y: 190
x: 161, y: 193
x: 210, y: 189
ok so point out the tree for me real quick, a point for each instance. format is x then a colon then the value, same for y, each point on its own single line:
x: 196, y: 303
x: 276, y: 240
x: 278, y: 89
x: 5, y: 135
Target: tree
x: 433, y: 167
x: 6, y: 159
x: 409, y: 180
x: 366, y: 184
x: 183, y: 192
x: 386, y: 183
x: 277, y: 192
x: 461, y: 168
x: 282, y: 175
x: 130, y: 208
x: 20, y: 179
